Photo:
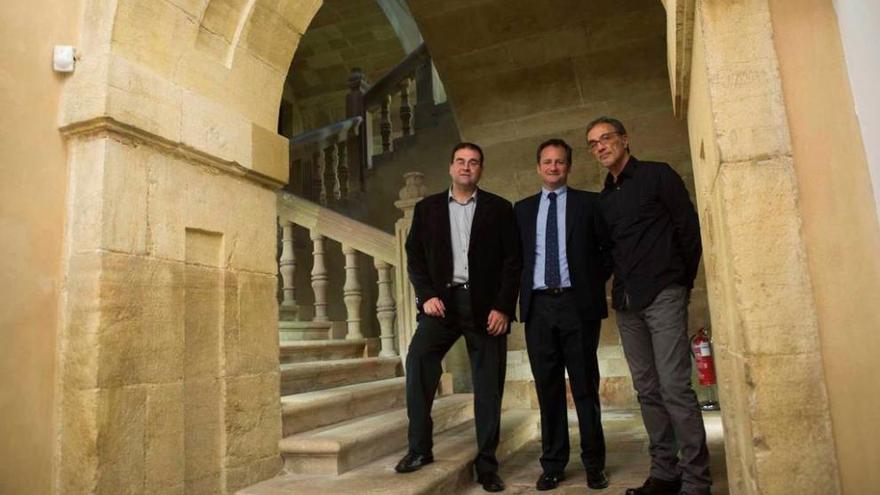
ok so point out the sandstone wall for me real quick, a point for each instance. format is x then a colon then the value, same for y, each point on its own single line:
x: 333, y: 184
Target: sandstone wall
x: 840, y: 227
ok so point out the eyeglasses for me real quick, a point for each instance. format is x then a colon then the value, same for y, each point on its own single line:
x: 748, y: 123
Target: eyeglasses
x: 468, y: 164
x: 604, y: 139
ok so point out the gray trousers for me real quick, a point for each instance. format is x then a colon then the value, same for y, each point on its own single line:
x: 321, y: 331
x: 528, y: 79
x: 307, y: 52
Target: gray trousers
x: 656, y: 346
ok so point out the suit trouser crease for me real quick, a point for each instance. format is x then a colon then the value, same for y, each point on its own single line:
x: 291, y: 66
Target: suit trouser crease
x: 656, y: 347
x: 488, y: 357
x: 556, y: 340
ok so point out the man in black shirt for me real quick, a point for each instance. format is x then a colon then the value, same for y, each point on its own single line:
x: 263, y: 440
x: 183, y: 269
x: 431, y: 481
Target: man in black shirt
x: 656, y: 249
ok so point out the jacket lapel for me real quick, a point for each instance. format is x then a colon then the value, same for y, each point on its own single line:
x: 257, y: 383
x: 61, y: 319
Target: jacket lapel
x: 572, y: 210
x: 445, y: 234
x: 532, y: 227
x: 480, y: 214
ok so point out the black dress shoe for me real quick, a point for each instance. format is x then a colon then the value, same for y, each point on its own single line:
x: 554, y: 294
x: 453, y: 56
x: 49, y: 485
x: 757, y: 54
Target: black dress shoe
x: 656, y: 486
x: 597, y: 479
x: 549, y: 481
x: 413, y: 462
x: 491, y: 482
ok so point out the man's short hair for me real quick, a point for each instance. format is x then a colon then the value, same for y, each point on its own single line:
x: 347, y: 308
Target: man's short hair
x: 616, y: 124
x: 559, y: 143
x: 469, y: 146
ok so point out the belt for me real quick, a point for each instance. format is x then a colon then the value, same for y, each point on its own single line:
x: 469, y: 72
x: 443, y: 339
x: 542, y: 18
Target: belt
x: 462, y: 286
x: 553, y: 292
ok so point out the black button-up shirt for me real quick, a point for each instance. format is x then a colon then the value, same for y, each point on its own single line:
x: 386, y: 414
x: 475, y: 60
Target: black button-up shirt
x: 655, y: 232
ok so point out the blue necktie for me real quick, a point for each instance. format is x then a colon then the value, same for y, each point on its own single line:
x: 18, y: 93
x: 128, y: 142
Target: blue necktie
x: 551, y: 245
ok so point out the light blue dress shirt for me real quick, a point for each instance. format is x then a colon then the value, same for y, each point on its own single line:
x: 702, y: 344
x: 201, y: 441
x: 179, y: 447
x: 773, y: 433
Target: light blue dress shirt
x: 540, y: 236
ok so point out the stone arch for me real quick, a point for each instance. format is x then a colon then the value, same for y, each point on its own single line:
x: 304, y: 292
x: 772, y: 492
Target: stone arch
x: 168, y: 368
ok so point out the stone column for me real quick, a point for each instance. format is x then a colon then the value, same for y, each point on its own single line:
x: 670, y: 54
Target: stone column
x: 287, y: 266
x: 775, y: 409
x: 352, y: 294
x: 385, y: 309
x: 319, y: 278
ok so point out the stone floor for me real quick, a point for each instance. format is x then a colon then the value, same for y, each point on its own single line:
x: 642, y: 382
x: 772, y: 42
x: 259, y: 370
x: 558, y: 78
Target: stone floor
x: 627, y: 458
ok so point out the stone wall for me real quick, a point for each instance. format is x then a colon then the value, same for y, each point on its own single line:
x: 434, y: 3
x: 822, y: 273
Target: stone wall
x: 840, y: 228
x: 775, y: 408
x: 169, y: 360
x: 168, y: 353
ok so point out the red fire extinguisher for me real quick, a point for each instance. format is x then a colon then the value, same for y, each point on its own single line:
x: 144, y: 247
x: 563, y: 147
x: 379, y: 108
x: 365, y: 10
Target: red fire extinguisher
x: 702, y: 349
x: 701, y: 346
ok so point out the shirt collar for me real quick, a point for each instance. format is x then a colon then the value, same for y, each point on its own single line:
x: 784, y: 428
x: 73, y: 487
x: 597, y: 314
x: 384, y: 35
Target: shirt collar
x: 473, y: 197
x: 628, y: 172
x: 559, y: 192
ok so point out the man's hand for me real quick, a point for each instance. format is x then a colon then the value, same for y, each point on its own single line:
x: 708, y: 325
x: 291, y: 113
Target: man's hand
x: 497, y: 322
x: 434, y: 307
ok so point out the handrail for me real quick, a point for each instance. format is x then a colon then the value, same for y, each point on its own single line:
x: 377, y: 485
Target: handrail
x: 323, y: 221
x: 387, y: 84
x: 339, y: 130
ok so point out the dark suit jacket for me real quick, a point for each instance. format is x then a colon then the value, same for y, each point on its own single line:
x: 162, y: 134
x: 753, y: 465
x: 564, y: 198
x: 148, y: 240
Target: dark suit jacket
x: 588, y: 249
x: 494, y: 260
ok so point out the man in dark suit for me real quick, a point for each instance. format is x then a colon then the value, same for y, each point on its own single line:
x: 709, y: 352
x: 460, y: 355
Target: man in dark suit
x: 464, y: 264
x: 562, y: 302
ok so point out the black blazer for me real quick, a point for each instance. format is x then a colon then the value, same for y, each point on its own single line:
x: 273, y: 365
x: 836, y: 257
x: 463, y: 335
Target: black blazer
x: 494, y: 259
x: 588, y: 249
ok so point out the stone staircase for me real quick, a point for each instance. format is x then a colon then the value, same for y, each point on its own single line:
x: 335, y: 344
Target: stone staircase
x: 344, y: 425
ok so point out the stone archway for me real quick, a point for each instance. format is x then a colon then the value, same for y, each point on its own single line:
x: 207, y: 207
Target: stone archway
x: 168, y: 350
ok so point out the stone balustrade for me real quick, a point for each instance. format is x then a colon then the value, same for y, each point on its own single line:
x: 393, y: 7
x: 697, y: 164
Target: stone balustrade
x: 356, y: 238
x: 326, y: 160
x: 412, y: 73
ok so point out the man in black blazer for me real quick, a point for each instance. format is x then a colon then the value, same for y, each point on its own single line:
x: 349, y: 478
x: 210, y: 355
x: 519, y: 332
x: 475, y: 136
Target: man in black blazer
x: 566, y: 261
x: 464, y: 264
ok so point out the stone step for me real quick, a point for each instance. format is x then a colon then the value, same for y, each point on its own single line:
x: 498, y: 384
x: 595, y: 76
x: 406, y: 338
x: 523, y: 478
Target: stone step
x: 305, y: 351
x: 451, y: 472
x: 304, y: 330
x: 310, y: 410
x: 343, y: 446
x: 320, y: 375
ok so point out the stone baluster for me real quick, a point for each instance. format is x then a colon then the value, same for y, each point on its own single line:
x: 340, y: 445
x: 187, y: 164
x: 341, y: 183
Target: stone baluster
x: 352, y: 294
x: 413, y: 191
x: 424, y: 112
x: 385, y: 123
x: 319, y: 277
x: 405, y: 109
x: 287, y: 266
x: 318, y: 189
x: 331, y: 180
x: 355, y: 106
x: 385, y: 309
x: 342, y: 171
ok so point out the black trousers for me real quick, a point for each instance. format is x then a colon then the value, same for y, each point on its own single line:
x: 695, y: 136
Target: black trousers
x: 557, y: 339
x: 488, y: 357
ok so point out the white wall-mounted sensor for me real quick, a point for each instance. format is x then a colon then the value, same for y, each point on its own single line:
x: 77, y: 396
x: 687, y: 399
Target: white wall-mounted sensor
x: 63, y: 58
